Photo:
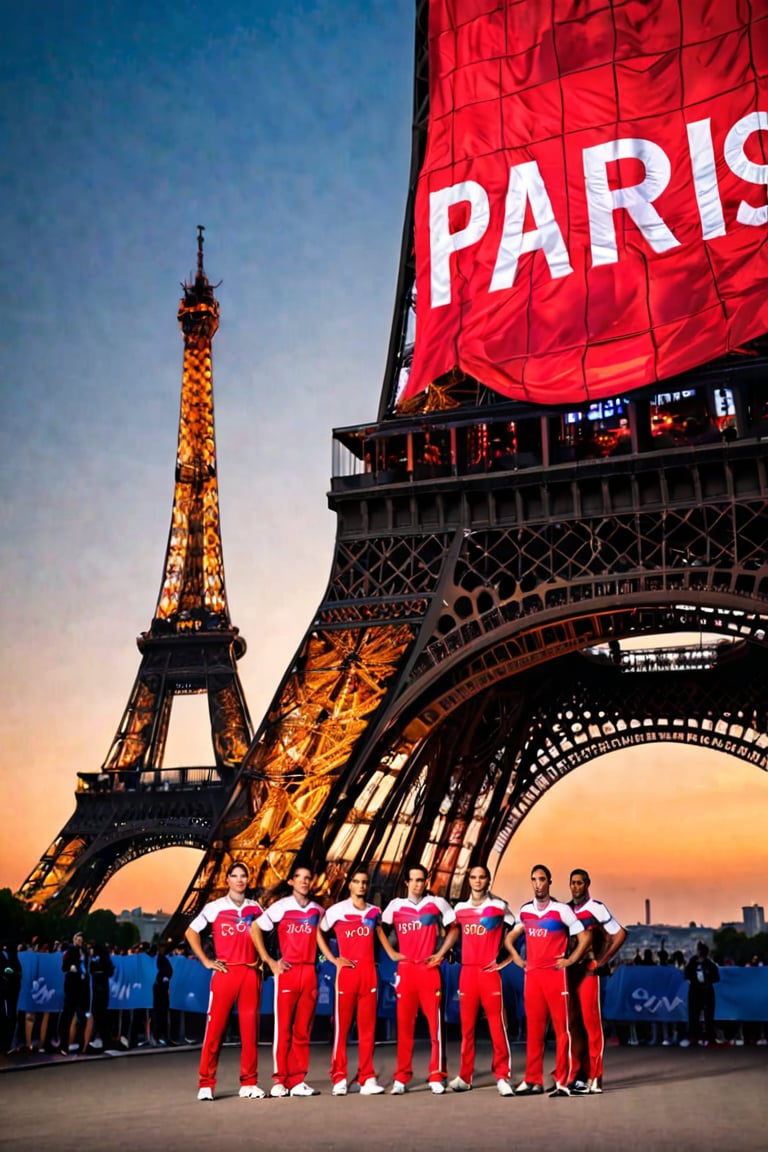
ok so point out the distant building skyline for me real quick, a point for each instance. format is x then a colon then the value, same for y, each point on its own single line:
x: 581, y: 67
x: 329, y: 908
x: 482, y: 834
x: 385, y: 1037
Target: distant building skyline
x: 754, y: 919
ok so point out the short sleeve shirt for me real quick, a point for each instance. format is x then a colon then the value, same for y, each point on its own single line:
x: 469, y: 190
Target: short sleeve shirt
x: 230, y: 926
x: 355, y: 929
x: 296, y: 928
x: 483, y: 927
x: 418, y: 924
x: 594, y: 915
x: 547, y: 931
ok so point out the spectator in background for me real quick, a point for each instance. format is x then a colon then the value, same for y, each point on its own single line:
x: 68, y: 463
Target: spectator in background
x: 702, y: 974
x: 754, y: 1032
x: 75, y: 965
x: 10, y: 983
x: 161, y: 996
x: 45, y: 1023
x: 101, y: 970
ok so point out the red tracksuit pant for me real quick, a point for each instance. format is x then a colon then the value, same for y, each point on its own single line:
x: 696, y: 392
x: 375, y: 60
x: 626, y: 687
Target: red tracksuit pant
x: 356, y: 997
x: 295, y: 999
x: 546, y: 994
x: 419, y: 987
x: 586, y: 1059
x: 242, y: 985
x: 478, y: 988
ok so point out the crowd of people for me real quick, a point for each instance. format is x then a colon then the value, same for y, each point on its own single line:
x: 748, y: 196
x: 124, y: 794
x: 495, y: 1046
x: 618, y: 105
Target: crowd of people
x: 86, y: 1025
x: 702, y: 975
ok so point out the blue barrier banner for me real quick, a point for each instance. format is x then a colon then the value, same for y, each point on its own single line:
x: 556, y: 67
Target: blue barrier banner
x: 634, y: 992
x: 742, y: 994
x: 190, y: 985
x: 42, y: 982
x: 451, y: 992
x: 513, y: 983
x: 326, y: 985
x: 387, y: 1007
x: 131, y: 985
x: 661, y: 993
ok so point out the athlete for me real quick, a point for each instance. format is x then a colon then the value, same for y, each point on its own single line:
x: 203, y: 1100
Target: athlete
x: 482, y: 921
x: 584, y: 987
x: 547, y: 925
x: 235, y: 980
x: 295, y: 918
x: 354, y: 922
x: 417, y: 920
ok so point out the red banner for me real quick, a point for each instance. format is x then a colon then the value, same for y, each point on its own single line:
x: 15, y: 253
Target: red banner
x: 591, y: 215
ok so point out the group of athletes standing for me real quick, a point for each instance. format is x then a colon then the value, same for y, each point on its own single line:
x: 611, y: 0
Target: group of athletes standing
x: 565, y: 946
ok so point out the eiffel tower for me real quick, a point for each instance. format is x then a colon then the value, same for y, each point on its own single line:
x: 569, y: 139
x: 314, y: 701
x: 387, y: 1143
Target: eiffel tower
x: 133, y: 805
x: 491, y: 558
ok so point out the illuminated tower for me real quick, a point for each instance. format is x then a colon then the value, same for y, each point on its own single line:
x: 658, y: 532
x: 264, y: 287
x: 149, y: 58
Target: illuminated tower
x: 133, y: 805
x: 494, y: 552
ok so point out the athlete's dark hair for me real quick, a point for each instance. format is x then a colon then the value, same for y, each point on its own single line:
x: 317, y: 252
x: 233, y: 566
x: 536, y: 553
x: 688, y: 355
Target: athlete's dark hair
x: 485, y: 869
x: 238, y: 864
x: 581, y: 872
x: 416, y: 868
x: 361, y: 870
x: 542, y: 868
x: 299, y: 868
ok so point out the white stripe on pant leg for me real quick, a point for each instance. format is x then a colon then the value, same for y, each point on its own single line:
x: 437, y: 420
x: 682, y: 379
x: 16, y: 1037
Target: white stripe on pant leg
x: 208, y: 1017
x: 567, y: 1026
x: 335, y: 1019
x: 275, y: 1029
x: 506, y: 1034
x: 602, y: 1034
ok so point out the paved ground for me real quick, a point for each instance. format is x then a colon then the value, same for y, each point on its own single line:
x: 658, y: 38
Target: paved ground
x: 655, y: 1099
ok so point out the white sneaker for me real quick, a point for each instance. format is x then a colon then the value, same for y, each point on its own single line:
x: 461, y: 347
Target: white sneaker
x: 685, y: 1043
x: 559, y: 1090
x: 436, y: 1087
x: 340, y: 1088
x: 526, y: 1089
x: 303, y: 1089
x: 594, y: 1088
x: 252, y: 1092
x: 278, y: 1090
x: 459, y: 1085
x: 397, y: 1089
x: 371, y: 1087
x: 505, y: 1088
x: 205, y: 1094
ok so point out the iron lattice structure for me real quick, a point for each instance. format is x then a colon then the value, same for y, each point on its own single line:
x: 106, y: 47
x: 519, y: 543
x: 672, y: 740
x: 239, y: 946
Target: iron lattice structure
x: 442, y: 686
x: 133, y: 805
